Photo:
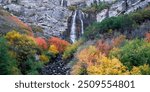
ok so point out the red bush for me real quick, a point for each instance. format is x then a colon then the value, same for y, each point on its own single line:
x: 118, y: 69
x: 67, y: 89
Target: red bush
x: 41, y: 42
x: 59, y: 43
x: 147, y: 37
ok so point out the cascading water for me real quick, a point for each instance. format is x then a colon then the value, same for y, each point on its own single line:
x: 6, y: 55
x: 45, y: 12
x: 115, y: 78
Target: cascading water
x: 73, y: 28
x: 82, y: 27
x: 82, y: 23
x: 77, y: 26
x: 62, y: 3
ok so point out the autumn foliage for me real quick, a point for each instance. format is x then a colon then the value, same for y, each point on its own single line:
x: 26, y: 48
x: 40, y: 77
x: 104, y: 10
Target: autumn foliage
x: 117, y: 56
x: 106, y: 66
x: 147, y: 37
x: 44, y: 58
x: 88, y: 55
x: 97, y: 63
x: 23, y: 49
x: 103, y: 46
x: 118, y: 40
x: 21, y: 44
x: 59, y: 43
x: 41, y: 42
x: 53, y: 49
x: 71, y: 49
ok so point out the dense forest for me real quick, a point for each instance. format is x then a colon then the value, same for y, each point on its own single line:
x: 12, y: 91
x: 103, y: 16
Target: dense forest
x: 117, y: 45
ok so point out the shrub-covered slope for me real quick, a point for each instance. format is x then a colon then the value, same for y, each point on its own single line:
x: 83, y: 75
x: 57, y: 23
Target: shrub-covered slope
x: 10, y: 22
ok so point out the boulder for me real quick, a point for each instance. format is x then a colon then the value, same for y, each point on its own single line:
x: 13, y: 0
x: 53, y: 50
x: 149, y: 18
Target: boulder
x: 133, y: 2
x: 13, y: 7
x: 102, y: 15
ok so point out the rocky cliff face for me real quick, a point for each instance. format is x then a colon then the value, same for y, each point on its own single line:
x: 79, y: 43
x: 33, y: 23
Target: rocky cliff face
x: 53, y: 15
x: 122, y: 7
x: 9, y: 22
x: 88, y: 2
x: 49, y: 14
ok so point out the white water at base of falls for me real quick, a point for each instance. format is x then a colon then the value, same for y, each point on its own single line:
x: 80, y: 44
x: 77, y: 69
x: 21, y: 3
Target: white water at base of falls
x: 62, y: 3
x: 73, y: 28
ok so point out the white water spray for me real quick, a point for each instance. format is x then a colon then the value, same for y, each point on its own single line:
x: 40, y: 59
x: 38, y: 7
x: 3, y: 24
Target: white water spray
x: 73, y: 28
x: 82, y: 23
x: 62, y: 3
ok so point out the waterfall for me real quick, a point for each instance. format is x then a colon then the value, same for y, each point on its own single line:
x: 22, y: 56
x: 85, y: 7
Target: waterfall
x: 62, y: 3
x: 73, y: 28
x: 82, y: 23
x: 77, y: 25
x: 82, y: 26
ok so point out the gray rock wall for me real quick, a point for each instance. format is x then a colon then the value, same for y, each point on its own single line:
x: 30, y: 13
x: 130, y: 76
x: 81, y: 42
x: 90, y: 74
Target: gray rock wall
x: 123, y: 7
x: 45, y: 13
x: 53, y: 18
x: 87, y: 2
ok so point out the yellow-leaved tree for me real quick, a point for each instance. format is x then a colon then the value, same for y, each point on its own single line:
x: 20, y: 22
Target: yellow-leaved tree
x: 23, y: 48
x: 97, y: 63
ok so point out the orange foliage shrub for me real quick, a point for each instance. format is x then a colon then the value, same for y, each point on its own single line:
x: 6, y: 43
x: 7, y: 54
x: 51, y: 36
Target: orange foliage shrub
x: 41, y: 42
x: 118, y: 40
x: 59, y: 43
x: 103, y: 47
x: 147, y: 37
x: 88, y: 55
x: 97, y: 63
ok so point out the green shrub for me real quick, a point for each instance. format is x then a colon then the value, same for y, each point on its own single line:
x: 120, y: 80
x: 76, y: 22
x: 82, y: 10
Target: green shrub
x: 134, y: 53
x: 24, y: 49
x: 71, y: 49
x: 23, y: 45
x: 96, y: 8
x: 145, y: 69
x: 72, y: 8
x: 140, y: 16
x: 8, y: 64
x: 141, y: 70
x: 32, y: 67
x: 120, y: 23
x: 123, y: 22
x: 36, y: 29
